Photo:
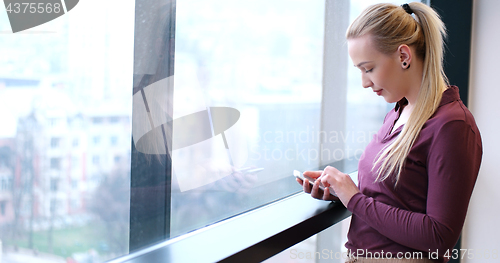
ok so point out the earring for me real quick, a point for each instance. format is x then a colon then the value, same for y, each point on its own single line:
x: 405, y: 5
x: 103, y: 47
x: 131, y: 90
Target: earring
x: 404, y: 65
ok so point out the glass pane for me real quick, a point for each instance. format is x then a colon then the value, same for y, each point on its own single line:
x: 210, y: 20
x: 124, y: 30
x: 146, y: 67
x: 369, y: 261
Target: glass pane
x: 65, y: 97
x: 247, y: 101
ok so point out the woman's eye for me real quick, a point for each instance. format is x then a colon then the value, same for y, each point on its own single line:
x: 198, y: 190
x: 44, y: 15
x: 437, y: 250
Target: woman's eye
x: 368, y: 70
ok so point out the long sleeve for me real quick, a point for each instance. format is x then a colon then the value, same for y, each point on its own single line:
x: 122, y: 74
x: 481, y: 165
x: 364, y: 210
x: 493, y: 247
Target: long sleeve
x: 452, y: 165
x: 426, y: 210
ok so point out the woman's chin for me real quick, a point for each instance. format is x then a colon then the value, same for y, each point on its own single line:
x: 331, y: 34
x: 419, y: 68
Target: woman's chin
x: 391, y: 100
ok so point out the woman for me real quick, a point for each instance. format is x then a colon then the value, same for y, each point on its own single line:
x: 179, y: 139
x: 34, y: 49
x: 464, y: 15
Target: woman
x: 417, y: 174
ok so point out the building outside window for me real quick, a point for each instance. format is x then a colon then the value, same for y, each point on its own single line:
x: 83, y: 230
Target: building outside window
x: 96, y: 159
x: 55, y: 163
x: 97, y: 120
x: 54, y: 142
x: 113, y: 140
x: 74, y: 183
x: 54, y: 184
x: 114, y: 119
x: 2, y: 207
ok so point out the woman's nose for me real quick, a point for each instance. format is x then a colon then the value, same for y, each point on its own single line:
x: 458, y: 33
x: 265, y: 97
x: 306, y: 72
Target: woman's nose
x: 366, y: 82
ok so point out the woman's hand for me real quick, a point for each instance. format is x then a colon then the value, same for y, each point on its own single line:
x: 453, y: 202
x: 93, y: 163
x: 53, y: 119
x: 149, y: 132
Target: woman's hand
x: 341, y: 183
x: 315, y: 191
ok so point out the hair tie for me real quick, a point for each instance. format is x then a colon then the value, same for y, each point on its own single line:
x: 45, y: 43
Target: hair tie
x: 407, y: 8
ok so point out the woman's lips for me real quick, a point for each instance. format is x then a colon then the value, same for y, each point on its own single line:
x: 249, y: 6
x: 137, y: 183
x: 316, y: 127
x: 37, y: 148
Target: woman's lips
x: 379, y: 91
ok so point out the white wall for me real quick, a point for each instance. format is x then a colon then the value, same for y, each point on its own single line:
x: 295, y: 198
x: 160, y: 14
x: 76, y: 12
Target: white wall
x: 482, y: 226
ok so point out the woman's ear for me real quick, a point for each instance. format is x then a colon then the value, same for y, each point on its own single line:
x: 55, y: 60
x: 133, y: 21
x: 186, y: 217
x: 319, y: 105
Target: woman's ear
x: 405, y: 56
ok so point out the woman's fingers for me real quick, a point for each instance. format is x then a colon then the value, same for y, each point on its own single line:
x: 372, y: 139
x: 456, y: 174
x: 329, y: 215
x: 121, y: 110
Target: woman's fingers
x: 326, y: 194
x: 307, y: 186
x: 325, y: 180
x: 343, y: 185
x: 299, y: 181
x: 328, y: 197
x: 313, y: 174
x: 315, y: 189
x: 316, y: 192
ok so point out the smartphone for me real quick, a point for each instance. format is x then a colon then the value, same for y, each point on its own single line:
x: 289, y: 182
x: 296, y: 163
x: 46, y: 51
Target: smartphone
x: 311, y: 180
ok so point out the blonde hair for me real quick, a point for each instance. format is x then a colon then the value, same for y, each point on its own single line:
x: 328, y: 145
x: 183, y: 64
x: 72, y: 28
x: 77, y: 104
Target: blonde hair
x: 391, y: 26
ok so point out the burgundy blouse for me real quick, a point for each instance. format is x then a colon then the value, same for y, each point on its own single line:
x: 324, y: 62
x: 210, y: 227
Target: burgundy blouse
x: 426, y: 210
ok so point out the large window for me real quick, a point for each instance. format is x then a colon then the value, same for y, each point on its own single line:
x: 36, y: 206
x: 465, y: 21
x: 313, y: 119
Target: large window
x: 124, y: 127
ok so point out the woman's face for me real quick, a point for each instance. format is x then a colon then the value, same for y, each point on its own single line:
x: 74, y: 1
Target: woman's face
x: 383, y: 73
